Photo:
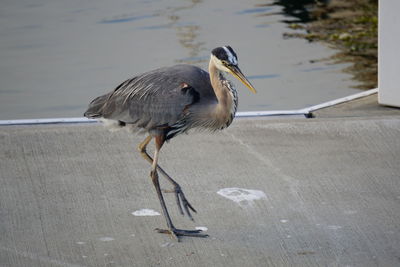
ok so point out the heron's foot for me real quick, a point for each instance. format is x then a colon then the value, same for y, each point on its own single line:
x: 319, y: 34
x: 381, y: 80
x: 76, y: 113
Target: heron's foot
x: 181, y: 201
x: 177, y: 233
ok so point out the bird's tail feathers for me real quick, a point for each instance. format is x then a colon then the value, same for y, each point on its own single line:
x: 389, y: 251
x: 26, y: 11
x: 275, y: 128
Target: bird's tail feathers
x: 96, y: 107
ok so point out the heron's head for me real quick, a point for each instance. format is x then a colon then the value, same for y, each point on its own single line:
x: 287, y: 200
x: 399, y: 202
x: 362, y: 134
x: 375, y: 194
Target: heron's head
x: 225, y: 59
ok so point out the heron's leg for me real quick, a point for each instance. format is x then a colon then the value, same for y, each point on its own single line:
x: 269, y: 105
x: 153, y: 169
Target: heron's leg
x: 181, y: 201
x: 159, y: 140
x: 154, y: 178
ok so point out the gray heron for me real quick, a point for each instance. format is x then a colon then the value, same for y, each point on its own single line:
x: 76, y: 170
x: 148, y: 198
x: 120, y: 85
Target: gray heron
x: 169, y: 101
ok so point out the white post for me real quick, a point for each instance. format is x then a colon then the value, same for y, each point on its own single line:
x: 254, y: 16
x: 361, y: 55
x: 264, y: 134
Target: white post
x: 389, y: 53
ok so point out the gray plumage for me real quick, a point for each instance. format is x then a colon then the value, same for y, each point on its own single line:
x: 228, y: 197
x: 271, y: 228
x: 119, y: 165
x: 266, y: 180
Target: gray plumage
x: 166, y: 99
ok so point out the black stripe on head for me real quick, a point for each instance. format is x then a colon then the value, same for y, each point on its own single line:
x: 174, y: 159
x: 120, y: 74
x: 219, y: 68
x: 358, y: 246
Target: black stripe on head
x: 225, y: 54
x: 231, y: 50
x: 220, y: 53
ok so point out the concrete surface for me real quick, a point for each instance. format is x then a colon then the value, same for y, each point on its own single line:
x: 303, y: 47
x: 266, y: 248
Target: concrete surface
x: 332, y: 187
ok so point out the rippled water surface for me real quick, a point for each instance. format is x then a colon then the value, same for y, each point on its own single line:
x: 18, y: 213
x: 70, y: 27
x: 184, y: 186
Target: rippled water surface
x: 58, y: 55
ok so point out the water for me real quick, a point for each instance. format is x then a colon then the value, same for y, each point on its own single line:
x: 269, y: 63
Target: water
x: 56, y: 56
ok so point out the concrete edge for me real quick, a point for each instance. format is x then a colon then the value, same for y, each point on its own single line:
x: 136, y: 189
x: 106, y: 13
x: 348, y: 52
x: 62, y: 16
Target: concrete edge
x: 306, y: 112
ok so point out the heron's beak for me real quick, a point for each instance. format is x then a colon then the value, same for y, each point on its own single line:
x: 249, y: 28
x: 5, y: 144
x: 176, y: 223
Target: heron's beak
x: 240, y: 76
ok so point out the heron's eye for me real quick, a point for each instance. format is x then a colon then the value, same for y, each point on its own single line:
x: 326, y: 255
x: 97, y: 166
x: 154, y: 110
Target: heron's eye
x: 226, y: 63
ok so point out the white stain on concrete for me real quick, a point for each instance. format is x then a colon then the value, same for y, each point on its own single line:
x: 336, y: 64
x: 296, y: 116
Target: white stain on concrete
x: 284, y: 221
x: 350, y: 212
x: 145, y: 212
x: 80, y: 243
x: 106, y: 238
x: 167, y: 244
x: 334, y: 227
x: 202, y: 228
x: 242, y: 196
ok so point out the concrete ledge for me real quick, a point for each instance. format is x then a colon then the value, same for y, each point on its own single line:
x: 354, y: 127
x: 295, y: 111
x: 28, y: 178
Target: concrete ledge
x: 363, y: 107
x: 304, y: 112
x: 332, y: 195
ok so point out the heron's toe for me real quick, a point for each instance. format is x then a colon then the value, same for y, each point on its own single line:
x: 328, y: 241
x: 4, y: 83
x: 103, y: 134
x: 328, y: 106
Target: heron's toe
x: 176, y: 233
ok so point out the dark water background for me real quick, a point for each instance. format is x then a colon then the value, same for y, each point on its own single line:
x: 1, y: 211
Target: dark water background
x: 58, y: 55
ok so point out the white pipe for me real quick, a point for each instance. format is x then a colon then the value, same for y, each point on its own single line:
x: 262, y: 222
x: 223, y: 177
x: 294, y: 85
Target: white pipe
x: 46, y: 121
x: 307, y: 110
x: 342, y: 100
x: 304, y: 111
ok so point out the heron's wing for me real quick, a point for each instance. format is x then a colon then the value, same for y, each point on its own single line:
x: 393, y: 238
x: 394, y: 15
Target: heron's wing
x: 155, y: 98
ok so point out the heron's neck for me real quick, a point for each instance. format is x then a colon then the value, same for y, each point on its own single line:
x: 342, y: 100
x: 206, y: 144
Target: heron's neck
x: 217, y: 79
x: 226, y: 107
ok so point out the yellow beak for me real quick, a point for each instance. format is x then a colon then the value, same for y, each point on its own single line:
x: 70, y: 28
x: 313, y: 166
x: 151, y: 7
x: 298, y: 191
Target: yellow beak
x: 240, y: 76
